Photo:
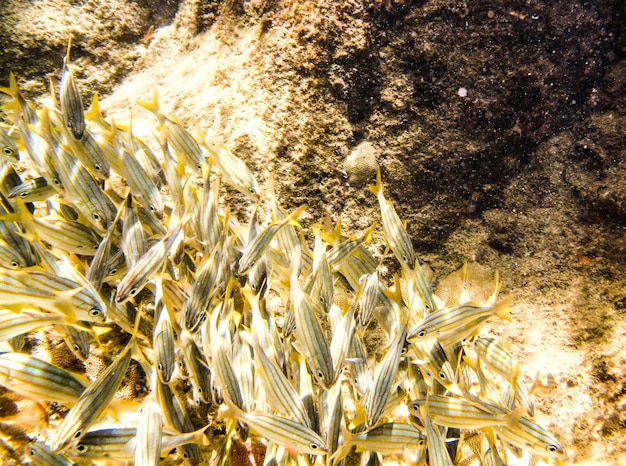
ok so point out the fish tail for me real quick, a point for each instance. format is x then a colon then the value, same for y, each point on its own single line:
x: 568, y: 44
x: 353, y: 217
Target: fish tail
x: 231, y: 411
x: 360, y: 416
x: 66, y: 59
x: 502, y: 309
x: 293, y: 217
x: 328, y: 233
x: 535, y: 383
x: 12, y: 90
x: 497, y: 288
x: 394, y: 295
x: 270, y: 188
x: 63, y: 303
x: 152, y: 104
x: 513, y: 417
x: 344, y: 448
x: 93, y: 112
x: 22, y: 215
x: 377, y: 188
x: 367, y: 236
x: 514, y: 377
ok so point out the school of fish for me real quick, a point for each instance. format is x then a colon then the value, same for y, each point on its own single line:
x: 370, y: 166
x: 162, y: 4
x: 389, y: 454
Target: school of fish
x: 247, y: 333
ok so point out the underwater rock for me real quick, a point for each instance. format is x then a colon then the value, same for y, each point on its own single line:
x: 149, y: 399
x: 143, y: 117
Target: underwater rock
x: 361, y: 164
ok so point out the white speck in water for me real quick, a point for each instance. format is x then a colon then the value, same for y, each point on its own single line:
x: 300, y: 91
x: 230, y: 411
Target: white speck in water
x: 462, y: 92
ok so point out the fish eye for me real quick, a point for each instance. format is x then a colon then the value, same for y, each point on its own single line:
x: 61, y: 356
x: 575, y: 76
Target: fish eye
x: 78, y: 433
x: 322, y: 299
x: 113, y: 270
x: 69, y: 124
x: 14, y: 264
x: 160, y: 366
x: 253, y: 285
x: 152, y: 208
x: 252, y: 190
x: 421, y: 334
x: 96, y: 216
x: 415, y: 406
x: 421, y: 442
x: 97, y: 167
x: 57, y: 182
x: 32, y: 452
x: 96, y: 246
x: 7, y: 151
x: 552, y: 448
x: 81, y: 448
x: 133, y: 292
x: 314, y: 446
x: 442, y: 375
x: 76, y: 348
x: 94, y: 312
x: 185, y: 454
x: 320, y: 374
x: 24, y: 194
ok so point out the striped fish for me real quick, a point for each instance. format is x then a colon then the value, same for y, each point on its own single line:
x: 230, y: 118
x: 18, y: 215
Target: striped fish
x: 149, y: 434
x: 67, y: 235
x: 81, y: 187
x: 179, y: 140
x: 197, y: 367
x: 33, y: 190
x: 281, y: 430
x: 163, y: 344
x: 120, y: 443
x: 70, y: 99
x: 390, y: 438
x: 234, y: 170
x: 8, y: 148
x: 13, y: 324
x: 139, y: 180
x: 451, y: 318
x: 92, y: 403
x: 39, y: 380
x: 256, y: 248
x: 395, y: 232
x: 309, y: 333
x: 460, y: 413
x: 280, y: 393
x: 376, y: 397
x: 144, y: 269
x: 91, y: 154
x: 41, y: 455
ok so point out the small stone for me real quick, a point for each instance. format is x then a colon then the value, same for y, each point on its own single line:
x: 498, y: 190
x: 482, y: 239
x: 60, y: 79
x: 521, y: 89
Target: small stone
x: 361, y: 164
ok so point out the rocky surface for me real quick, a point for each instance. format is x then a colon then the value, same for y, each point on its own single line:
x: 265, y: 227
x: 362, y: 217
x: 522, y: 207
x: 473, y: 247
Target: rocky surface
x: 499, y: 130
